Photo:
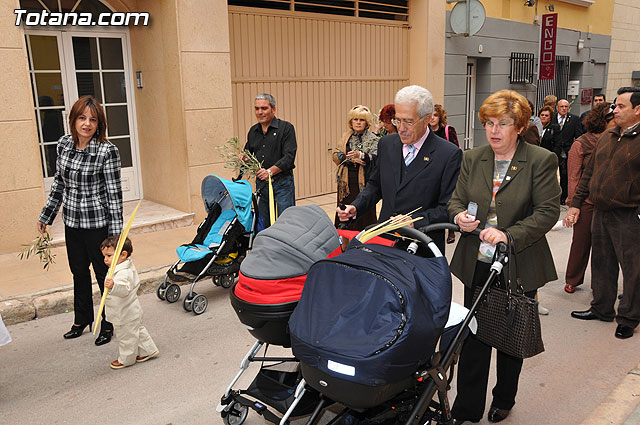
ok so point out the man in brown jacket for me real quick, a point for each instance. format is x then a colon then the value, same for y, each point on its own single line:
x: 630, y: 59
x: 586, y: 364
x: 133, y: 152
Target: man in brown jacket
x: 612, y: 181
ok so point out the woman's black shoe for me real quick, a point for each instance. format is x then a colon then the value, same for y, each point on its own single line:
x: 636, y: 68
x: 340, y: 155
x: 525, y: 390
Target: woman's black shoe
x: 76, y: 331
x: 104, y: 337
x: 497, y: 415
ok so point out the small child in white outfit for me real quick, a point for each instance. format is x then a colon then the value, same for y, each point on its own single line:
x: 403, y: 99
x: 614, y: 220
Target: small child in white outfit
x: 123, y: 308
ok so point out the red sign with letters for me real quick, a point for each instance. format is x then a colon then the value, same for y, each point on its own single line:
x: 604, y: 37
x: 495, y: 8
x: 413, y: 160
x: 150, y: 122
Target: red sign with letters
x: 548, y: 33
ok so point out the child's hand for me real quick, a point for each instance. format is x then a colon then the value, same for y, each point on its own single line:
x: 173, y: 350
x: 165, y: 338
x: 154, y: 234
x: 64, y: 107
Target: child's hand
x: 108, y: 283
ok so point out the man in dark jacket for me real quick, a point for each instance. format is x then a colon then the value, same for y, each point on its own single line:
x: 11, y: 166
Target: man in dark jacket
x: 570, y: 129
x: 415, y: 168
x: 611, y: 180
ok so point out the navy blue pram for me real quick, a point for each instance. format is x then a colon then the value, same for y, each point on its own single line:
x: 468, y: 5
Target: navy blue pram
x: 370, y: 317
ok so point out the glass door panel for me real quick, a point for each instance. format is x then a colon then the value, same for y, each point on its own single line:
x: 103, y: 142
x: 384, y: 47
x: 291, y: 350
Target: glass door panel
x: 66, y: 65
x: 47, y: 83
x: 98, y: 68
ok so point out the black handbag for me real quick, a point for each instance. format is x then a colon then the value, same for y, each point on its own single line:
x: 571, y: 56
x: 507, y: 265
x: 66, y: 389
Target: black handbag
x: 507, y: 319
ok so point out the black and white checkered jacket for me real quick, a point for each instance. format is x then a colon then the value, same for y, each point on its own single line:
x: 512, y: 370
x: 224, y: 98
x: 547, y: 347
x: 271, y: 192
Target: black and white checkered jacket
x: 87, y: 184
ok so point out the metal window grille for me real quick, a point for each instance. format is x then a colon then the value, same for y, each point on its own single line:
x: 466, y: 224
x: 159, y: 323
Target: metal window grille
x: 393, y: 10
x: 558, y: 86
x: 521, y: 68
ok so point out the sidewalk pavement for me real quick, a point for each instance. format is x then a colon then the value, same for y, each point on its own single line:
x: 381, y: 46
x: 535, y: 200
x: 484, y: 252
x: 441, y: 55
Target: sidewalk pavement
x: 28, y: 292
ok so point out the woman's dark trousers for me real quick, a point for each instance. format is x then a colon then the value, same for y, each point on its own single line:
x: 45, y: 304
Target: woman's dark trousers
x: 473, y: 369
x: 83, y: 249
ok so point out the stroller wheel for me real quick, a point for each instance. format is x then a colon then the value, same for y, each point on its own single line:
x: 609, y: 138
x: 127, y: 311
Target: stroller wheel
x: 160, y: 292
x: 172, y: 294
x: 226, y: 281
x: 188, y: 301
x: 162, y: 289
x: 199, y: 305
x: 236, y: 414
x: 216, y: 280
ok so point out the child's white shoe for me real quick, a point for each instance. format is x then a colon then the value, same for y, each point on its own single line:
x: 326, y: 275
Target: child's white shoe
x: 141, y: 359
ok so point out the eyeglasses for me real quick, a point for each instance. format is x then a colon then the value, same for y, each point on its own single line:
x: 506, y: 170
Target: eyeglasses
x: 502, y: 125
x: 407, y: 123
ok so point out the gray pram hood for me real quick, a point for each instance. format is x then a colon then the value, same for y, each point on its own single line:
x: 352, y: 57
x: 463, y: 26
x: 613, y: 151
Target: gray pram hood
x: 301, y: 236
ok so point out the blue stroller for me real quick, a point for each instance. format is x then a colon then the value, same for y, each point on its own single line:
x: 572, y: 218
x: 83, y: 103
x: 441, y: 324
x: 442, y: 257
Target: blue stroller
x: 220, y: 244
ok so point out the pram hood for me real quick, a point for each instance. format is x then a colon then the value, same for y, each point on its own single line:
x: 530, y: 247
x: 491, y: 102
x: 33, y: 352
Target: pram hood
x: 301, y: 236
x: 236, y: 195
x: 372, y: 315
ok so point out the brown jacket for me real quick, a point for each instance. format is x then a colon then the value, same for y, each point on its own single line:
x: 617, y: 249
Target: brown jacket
x: 611, y: 179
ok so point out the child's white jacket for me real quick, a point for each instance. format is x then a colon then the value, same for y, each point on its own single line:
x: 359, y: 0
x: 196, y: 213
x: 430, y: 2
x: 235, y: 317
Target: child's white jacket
x: 122, y: 305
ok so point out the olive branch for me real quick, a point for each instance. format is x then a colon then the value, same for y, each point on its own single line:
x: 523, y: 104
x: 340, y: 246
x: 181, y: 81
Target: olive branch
x: 231, y: 153
x: 41, y: 246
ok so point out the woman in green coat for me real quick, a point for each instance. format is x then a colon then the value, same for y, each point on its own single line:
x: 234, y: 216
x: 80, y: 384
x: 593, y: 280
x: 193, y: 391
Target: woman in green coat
x: 516, y: 188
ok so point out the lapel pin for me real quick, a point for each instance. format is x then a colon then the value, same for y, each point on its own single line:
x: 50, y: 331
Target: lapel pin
x: 274, y: 134
x: 508, y: 178
x: 427, y: 159
x: 514, y: 168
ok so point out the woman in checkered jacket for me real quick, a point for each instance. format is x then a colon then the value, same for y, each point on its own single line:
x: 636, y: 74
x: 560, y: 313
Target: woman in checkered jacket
x: 87, y: 186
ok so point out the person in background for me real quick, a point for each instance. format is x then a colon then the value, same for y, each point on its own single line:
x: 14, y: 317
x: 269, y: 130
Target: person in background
x: 570, y: 129
x: 273, y: 142
x: 516, y: 188
x: 599, y: 119
x: 415, y: 169
x: 534, y: 118
x: 439, y: 126
x: 386, y: 116
x: 355, y: 157
x: 597, y: 99
x: 88, y: 187
x: 550, y: 135
x: 612, y: 181
x: 550, y: 101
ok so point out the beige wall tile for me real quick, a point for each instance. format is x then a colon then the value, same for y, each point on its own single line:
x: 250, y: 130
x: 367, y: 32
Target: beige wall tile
x: 19, y: 145
x: 12, y: 35
x: 206, y: 80
x: 15, y: 86
x: 211, y: 19
x: 207, y: 129
x: 20, y: 211
x: 160, y: 115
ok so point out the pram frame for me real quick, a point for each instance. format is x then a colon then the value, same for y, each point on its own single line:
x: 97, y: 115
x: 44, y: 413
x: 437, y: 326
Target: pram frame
x: 434, y: 377
x: 431, y: 380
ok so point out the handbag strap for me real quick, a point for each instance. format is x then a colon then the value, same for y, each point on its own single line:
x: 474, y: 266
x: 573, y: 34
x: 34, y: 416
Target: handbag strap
x: 512, y: 264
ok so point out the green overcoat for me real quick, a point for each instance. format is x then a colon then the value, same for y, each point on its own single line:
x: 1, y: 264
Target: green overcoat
x: 527, y: 204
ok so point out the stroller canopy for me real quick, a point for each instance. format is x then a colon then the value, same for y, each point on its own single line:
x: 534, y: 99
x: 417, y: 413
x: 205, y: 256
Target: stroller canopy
x: 230, y: 195
x: 375, y: 313
x: 301, y: 236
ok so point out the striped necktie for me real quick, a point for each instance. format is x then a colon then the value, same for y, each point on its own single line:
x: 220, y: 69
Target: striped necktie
x: 410, y: 155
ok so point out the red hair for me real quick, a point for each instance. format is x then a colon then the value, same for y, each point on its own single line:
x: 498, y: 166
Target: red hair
x: 387, y: 113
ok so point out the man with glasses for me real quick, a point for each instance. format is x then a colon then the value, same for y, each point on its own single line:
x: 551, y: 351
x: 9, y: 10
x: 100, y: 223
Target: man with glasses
x: 415, y: 169
x: 611, y: 180
x: 570, y: 130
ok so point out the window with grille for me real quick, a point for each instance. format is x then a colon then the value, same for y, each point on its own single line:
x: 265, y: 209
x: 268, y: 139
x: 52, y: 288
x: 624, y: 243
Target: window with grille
x: 522, y: 65
x: 394, y: 10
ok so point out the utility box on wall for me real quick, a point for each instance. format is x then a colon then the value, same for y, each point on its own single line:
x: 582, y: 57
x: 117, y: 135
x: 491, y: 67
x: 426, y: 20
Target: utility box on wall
x: 573, y: 88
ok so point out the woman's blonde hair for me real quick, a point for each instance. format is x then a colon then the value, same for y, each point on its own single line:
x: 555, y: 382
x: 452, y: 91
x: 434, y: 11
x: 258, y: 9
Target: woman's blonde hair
x: 360, y: 111
x: 506, y: 102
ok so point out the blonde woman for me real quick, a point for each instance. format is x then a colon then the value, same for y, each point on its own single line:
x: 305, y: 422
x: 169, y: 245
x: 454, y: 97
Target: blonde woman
x: 355, y: 157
